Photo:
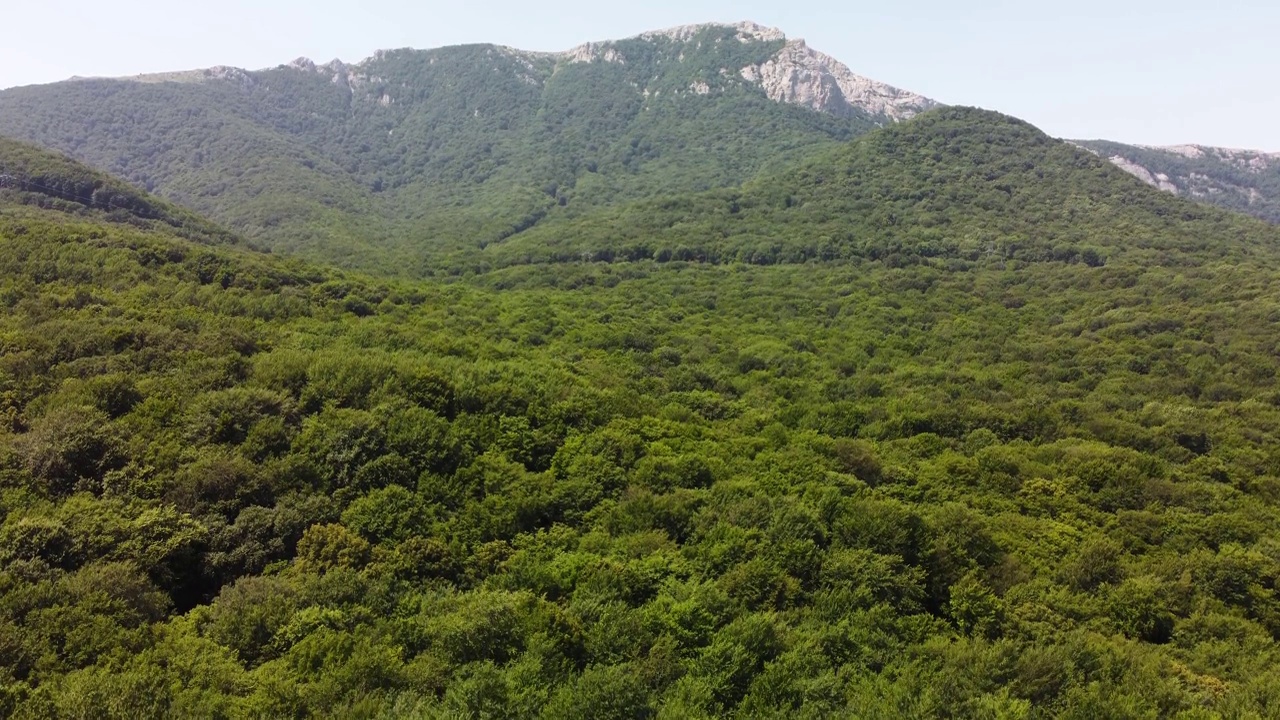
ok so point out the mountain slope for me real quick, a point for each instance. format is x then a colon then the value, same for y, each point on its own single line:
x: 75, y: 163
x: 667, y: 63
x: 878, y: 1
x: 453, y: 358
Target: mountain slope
x: 236, y: 485
x: 994, y: 434
x: 386, y: 162
x: 31, y: 175
x: 1243, y: 180
x: 955, y: 183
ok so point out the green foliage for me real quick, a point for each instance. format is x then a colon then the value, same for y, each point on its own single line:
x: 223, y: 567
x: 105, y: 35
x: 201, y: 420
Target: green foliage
x: 37, y: 177
x: 958, y: 184
x: 389, y: 164
x: 952, y: 487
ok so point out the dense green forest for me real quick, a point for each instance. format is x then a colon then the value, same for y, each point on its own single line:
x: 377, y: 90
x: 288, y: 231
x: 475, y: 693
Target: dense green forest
x: 31, y: 175
x: 410, y: 154
x: 955, y: 184
x: 1009, y: 452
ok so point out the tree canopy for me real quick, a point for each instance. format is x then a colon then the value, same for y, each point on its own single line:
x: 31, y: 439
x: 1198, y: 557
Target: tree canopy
x: 916, y: 478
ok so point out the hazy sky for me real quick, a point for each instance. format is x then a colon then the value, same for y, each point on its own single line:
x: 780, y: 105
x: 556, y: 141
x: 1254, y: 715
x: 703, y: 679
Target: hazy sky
x: 1140, y: 71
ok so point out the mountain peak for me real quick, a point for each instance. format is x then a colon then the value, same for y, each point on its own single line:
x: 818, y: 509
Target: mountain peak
x: 747, y: 31
x: 606, y: 50
x: 796, y: 74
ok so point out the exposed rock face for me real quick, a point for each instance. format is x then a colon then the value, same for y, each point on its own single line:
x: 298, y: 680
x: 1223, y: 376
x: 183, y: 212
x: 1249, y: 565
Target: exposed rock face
x: 1245, y: 180
x: 607, y: 52
x: 338, y: 72
x: 1159, y: 180
x: 1200, y: 183
x: 593, y: 52
x: 1188, y: 151
x: 797, y: 74
x: 801, y: 75
x: 747, y: 32
x: 1251, y: 160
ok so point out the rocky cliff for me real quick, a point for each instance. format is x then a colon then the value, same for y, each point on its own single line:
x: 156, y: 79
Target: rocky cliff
x: 797, y: 74
x: 1244, y: 180
x: 800, y: 75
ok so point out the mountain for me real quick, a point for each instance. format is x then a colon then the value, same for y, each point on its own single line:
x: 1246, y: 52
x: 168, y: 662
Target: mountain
x: 954, y: 183
x: 384, y: 163
x: 30, y: 175
x: 1010, y: 449
x: 1243, y: 180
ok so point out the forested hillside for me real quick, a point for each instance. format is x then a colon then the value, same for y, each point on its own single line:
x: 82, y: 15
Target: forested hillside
x: 32, y: 176
x: 956, y: 184
x: 923, y: 477
x: 386, y: 164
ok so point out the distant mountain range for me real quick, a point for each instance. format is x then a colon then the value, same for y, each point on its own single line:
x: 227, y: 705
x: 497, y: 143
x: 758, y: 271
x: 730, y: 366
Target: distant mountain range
x: 1244, y: 180
x: 410, y: 156
x: 385, y: 163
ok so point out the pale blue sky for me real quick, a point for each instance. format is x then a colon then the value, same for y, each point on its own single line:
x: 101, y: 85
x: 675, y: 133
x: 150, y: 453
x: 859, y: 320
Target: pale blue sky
x: 1131, y: 70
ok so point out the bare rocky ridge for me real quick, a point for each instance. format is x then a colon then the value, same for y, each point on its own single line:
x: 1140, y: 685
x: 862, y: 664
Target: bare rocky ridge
x: 747, y: 32
x: 797, y: 74
x: 1245, y: 180
x: 801, y: 75
x: 1159, y: 180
